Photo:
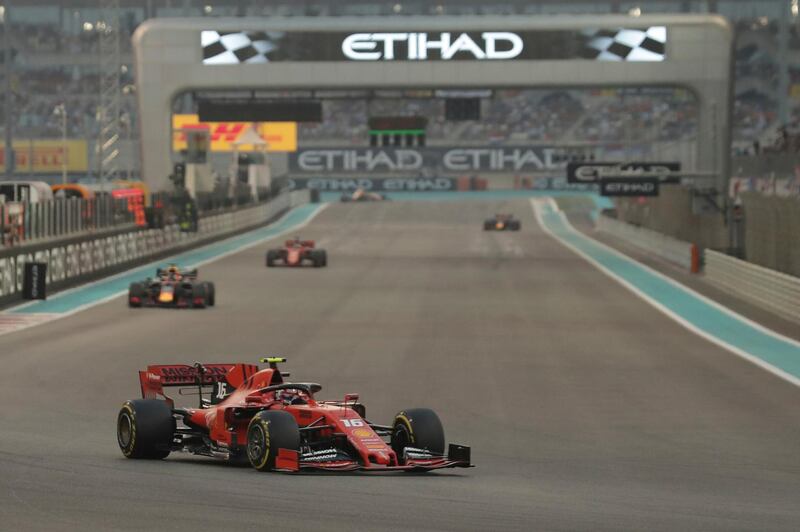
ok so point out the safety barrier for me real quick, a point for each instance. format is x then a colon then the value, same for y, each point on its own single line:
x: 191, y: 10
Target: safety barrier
x: 22, y: 223
x: 761, y: 286
x: 96, y: 255
x: 63, y: 218
x: 684, y: 254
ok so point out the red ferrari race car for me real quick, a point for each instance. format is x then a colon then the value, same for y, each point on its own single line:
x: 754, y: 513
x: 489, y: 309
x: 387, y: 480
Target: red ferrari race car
x: 502, y: 222
x: 251, y: 415
x: 172, y: 287
x: 297, y: 252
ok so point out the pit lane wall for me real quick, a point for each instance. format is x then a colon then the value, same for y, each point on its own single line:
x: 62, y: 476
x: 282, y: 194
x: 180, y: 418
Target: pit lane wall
x: 763, y: 287
x: 678, y: 252
x: 766, y: 288
x: 73, y: 262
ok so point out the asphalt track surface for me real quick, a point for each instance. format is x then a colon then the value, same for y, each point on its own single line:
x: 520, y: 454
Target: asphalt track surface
x: 586, y: 408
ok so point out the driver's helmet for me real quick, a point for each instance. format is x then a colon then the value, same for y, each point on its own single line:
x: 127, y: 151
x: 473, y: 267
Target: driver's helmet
x: 173, y: 271
x: 290, y: 397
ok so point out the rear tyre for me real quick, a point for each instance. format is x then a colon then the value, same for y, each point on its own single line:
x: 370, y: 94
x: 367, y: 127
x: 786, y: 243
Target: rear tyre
x: 199, y: 296
x: 145, y: 429
x: 271, y: 256
x: 323, y: 257
x: 269, y: 431
x: 136, y: 294
x: 419, y: 428
x: 515, y: 225
x: 210, y: 294
x: 487, y: 225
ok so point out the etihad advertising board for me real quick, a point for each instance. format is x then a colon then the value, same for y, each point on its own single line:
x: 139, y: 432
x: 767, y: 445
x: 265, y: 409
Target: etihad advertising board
x: 644, y: 44
x: 457, y: 160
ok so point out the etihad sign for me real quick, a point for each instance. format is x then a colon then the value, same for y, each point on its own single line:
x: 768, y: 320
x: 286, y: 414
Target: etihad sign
x: 424, y: 46
x: 455, y: 160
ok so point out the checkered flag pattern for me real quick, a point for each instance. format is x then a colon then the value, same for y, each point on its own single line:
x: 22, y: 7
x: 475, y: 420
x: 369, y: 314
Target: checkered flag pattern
x: 629, y: 44
x: 235, y: 47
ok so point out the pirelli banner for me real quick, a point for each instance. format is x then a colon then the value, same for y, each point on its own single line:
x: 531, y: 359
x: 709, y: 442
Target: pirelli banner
x: 42, y: 156
x: 461, y: 160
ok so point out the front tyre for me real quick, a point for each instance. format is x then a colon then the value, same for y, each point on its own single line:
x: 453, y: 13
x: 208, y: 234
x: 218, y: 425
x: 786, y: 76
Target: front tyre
x: 199, y: 296
x: 145, y: 429
x: 269, y: 431
x: 210, y: 294
x: 136, y: 295
x: 319, y: 258
x: 419, y: 428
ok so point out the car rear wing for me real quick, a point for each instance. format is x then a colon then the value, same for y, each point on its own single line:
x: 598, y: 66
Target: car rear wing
x: 304, y: 243
x: 190, y: 274
x: 155, y: 378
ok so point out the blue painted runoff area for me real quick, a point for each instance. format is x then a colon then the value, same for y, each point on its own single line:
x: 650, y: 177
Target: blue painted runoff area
x: 773, y: 349
x: 72, y: 299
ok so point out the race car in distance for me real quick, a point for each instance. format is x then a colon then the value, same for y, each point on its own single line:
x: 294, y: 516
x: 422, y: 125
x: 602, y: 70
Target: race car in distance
x: 360, y: 194
x: 251, y: 415
x: 502, y: 222
x: 297, y: 252
x: 172, y: 287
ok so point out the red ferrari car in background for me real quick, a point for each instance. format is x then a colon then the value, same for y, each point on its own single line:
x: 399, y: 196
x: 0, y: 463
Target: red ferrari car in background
x: 297, y: 252
x: 251, y: 415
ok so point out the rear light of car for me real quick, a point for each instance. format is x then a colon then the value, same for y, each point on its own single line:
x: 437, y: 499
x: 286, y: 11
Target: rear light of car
x: 198, y: 301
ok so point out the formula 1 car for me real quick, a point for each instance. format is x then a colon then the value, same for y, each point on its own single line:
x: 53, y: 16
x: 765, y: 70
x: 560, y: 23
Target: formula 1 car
x: 502, y: 222
x: 172, y: 287
x: 360, y: 195
x: 297, y: 252
x: 247, y: 414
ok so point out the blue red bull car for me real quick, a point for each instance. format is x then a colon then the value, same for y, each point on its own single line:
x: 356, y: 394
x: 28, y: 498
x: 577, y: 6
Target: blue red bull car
x: 248, y: 414
x: 172, y: 287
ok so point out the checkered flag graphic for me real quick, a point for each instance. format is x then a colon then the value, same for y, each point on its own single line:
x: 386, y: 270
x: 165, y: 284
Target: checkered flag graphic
x: 629, y: 44
x: 235, y: 47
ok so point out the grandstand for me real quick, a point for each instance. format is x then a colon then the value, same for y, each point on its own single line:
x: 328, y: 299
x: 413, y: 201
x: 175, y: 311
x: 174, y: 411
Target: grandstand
x: 56, y: 47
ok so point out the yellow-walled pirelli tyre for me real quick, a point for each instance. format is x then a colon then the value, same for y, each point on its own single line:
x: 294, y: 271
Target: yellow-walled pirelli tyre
x: 269, y: 431
x: 145, y: 429
x: 419, y: 428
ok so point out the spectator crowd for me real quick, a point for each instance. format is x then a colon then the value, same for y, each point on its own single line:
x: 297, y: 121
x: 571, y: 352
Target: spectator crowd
x: 54, y: 67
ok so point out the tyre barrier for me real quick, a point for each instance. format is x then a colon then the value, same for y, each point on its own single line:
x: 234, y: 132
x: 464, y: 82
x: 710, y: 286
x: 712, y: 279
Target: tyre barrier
x: 75, y: 262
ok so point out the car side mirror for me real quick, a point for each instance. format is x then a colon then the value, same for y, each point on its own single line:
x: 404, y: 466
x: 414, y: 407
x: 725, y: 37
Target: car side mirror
x: 350, y: 397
